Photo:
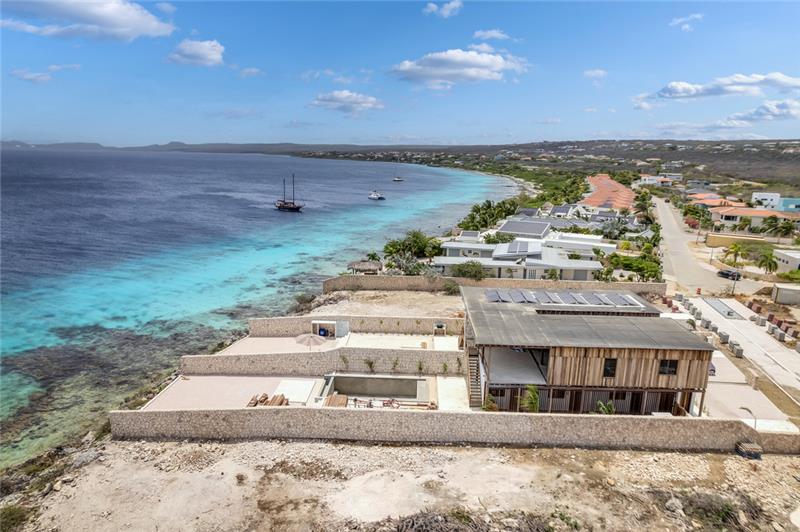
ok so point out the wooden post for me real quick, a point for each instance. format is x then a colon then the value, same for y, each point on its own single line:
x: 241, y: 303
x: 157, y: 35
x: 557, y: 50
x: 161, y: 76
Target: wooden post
x: 644, y: 402
x: 702, y: 401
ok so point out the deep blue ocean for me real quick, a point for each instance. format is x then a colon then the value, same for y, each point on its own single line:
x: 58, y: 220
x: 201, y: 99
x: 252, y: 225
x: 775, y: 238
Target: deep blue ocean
x: 116, y: 263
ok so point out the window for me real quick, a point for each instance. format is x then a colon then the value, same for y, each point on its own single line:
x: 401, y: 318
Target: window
x: 668, y: 367
x: 558, y: 394
x: 620, y: 396
x: 609, y: 368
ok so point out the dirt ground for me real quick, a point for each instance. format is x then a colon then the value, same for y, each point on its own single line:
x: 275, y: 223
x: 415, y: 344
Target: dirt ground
x: 386, y: 303
x: 274, y: 485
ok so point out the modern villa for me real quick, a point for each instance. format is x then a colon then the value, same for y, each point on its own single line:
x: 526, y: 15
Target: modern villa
x: 580, y: 348
x: 524, y: 258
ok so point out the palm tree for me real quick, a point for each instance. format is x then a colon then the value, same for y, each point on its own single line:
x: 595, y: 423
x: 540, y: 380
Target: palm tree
x: 767, y: 262
x: 744, y: 223
x: 784, y: 228
x: 769, y: 224
x: 735, y: 250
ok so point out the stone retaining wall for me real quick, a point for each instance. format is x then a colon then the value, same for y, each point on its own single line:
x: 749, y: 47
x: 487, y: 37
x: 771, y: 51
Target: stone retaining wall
x: 297, y: 325
x: 316, y: 363
x: 556, y: 430
x: 424, y: 284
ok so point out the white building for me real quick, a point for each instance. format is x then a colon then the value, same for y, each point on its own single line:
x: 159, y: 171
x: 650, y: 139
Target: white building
x: 767, y: 200
x: 788, y: 260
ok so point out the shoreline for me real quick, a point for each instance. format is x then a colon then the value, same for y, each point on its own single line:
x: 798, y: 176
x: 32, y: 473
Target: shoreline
x: 152, y: 380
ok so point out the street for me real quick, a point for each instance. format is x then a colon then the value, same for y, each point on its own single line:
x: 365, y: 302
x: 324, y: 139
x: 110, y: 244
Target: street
x: 681, y: 266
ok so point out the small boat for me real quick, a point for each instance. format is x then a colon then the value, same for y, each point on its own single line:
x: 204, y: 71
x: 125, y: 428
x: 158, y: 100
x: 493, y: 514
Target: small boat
x: 397, y: 179
x: 375, y: 195
x: 288, y: 206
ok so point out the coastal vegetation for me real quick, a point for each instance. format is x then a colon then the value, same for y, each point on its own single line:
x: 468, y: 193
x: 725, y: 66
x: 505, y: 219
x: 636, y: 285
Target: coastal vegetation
x: 487, y: 214
x: 471, y: 269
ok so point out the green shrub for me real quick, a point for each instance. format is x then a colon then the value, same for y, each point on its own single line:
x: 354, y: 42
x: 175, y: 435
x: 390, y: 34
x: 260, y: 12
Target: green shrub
x: 489, y: 404
x: 471, y: 269
x: 531, y: 400
x: 451, y: 288
x: 14, y: 516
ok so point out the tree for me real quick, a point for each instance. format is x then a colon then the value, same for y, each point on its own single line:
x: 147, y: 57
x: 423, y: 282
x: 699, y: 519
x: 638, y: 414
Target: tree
x: 553, y: 274
x: 471, y: 269
x: 531, y: 400
x: 767, y: 262
x: 744, y: 223
x: 735, y: 250
x: 574, y: 255
x: 498, y: 238
x: 615, y: 228
x: 769, y: 225
x: 373, y: 256
x: 783, y: 229
x: 415, y: 242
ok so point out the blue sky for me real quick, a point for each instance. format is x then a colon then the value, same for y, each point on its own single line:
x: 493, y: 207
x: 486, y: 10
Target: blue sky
x: 128, y: 73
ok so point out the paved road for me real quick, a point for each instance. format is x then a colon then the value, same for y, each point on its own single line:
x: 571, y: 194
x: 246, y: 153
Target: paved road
x: 774, y: 358
x: 681, y: 266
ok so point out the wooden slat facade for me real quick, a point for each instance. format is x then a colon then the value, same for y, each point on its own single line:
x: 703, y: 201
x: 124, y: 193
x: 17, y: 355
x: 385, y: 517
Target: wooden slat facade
x: 636, y: 368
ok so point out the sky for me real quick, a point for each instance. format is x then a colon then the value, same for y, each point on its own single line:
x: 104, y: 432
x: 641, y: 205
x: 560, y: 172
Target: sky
x: 127, y: 73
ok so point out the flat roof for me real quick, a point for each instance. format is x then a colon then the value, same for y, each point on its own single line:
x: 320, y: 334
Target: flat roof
x: 520, y: 324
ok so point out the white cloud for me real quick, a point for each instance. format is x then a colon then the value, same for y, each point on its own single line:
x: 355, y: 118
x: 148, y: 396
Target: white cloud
x: 441, y: 70
x: 25, y: 74
x: 771, y: 110
x: 685, y: 23
x: 166, y: 7
x: 751, y: 84
x: 595, y: 73
x: 486, y: 35
x: 640, y: 102
x: 34, y: 77
x: 590, y: 110
x: 483, y: 47
x: 57, y: 68
x: 202, y: 53
x: 250, y: 72
x: 346, y: 101
x: 549, y: 121
x: 446, y: 10
x: 107, y: 19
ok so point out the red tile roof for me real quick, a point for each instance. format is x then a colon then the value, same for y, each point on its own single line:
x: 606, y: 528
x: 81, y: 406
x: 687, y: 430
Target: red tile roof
x: 608, y: 193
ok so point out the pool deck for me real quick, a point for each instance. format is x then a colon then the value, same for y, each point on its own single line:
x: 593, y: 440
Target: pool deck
x: 259, y: 345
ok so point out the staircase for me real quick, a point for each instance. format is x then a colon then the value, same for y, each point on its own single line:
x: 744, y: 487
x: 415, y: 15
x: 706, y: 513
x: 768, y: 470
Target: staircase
x: 474, y: 378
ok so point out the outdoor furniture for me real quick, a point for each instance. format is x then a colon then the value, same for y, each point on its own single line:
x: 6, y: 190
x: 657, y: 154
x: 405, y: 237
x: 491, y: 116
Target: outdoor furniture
x: 263, y: 399
x: 253, y: 401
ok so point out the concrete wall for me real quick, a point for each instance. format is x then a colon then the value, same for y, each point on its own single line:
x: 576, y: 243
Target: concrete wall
x: 719, y: 240
x: 418, y: 283
x: 786, y: 295
x: 614, y: 432
x: 297, y: 325
x: 316, y: 363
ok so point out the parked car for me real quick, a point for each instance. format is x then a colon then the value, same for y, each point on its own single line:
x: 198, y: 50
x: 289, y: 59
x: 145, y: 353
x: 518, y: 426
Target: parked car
x: 733, y: 275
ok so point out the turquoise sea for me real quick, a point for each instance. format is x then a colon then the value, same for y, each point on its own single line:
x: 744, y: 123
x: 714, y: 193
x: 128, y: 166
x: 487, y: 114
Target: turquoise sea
x: 116, y: 263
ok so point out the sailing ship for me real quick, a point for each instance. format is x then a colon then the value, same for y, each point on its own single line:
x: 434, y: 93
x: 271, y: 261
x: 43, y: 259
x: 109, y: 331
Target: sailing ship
x: 397, y: 179
x: 288, y: 206
x: 375, y: 195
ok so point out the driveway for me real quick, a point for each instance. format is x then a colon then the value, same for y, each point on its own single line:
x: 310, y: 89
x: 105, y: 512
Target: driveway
x: 777, y: 360
x: 681, y: 266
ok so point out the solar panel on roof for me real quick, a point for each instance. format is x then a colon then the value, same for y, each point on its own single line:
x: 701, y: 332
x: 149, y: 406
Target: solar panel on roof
x: 567, y: 298
x: 505, y: 297
x: 592, y: 299
x: 543, y: 297
x: 530, y: 297
x: 605, y: 300
x: 554, y: 297
x: 492, y: 296
x: 579, y: 298
x: 517, y: 296
x: 633, y: 301
x: 617, y: 300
